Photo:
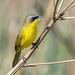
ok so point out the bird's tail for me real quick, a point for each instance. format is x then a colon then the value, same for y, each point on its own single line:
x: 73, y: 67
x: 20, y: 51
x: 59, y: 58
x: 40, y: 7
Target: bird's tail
x: 16, y: 58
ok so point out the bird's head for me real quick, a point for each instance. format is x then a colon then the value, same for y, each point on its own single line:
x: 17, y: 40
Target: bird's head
x: 32, y: 18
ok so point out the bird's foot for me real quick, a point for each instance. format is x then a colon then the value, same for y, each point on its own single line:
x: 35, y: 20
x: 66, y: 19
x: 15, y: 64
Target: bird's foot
x: 24, y: 59
x: 35, y: 45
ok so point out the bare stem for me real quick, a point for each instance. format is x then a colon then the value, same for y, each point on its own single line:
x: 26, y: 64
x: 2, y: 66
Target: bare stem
x: 55, y: 9
x: 70, y: 8
x: 60, y: 6
x: 65, y: 9
x: 49, y: 63
x: 66, y: 18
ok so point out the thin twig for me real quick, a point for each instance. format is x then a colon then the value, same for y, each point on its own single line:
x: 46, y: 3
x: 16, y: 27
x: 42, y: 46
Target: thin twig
x: 55, y: 9
x: 66, y: 18
x: 42, y: 36
x: 60, y: 6
x: 70, y: 8
x: 65, y: 9
x: 48, y: 63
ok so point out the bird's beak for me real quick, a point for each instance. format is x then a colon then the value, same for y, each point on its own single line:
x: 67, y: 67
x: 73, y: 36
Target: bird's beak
x: 39, y: 18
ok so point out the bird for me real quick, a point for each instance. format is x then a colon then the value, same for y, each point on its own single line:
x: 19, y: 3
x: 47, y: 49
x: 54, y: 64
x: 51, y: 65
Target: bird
x: 26, y: 35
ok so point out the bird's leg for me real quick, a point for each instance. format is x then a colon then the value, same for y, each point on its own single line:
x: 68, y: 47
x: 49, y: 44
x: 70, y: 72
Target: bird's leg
x: 24, y: 59
x: 35, y: 45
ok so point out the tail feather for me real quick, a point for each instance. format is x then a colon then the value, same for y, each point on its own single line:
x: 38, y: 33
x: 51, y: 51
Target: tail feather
x: 16, y: 58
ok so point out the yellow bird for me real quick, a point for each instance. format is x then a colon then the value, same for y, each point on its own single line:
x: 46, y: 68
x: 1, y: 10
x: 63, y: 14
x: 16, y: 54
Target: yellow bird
x: 26, y: 35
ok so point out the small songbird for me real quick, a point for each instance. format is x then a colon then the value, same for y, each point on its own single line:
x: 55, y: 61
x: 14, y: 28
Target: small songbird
x: 26, y: 35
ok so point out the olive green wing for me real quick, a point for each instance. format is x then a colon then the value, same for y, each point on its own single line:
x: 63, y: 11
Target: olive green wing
x: 17, y: 43
x: 20, y: 41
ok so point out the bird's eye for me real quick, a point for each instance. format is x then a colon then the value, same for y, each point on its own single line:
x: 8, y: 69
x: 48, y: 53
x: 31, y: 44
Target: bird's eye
x: 34, y: 18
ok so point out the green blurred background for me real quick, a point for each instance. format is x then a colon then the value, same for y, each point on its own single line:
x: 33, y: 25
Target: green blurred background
x: 58, y: 45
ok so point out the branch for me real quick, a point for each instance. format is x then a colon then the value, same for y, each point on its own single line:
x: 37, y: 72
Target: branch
x: 48, y: 63
x: 67, y: 7
x: 65, y: 18
x: 42, y: 36
x: 60, y: 6
x: 70, y: 7
x: 55, y: 9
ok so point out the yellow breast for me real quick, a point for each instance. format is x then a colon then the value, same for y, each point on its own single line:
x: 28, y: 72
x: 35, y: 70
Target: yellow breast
x: 26, y: 36
x: 29, y: 36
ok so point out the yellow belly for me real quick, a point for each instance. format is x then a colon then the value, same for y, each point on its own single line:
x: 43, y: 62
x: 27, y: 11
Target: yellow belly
x: 28, y: 35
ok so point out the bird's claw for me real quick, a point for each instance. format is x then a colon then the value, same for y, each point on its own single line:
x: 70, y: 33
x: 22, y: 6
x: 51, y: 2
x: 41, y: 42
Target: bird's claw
x: 35, y: 45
